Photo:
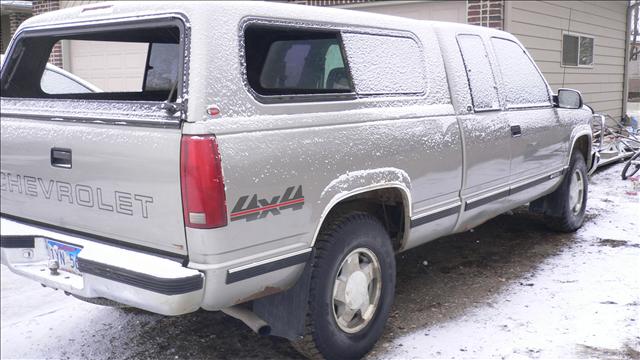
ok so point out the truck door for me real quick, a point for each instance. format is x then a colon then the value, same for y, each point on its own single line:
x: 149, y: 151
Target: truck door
x: 536, y: 132
x: 486, y: 135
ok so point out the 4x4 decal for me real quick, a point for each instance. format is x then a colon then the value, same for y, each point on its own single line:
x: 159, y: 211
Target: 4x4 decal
x: 260, y: 208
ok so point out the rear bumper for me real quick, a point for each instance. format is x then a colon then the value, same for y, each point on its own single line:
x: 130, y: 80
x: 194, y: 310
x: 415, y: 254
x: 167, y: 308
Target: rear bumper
x: 145, y: 281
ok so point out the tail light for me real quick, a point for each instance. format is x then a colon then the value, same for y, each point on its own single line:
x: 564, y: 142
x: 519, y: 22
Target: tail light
x: 203, y: 197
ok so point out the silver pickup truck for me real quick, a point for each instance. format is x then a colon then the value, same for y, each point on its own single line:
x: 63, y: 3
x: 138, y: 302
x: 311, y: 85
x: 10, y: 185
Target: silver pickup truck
x: 269, y: 160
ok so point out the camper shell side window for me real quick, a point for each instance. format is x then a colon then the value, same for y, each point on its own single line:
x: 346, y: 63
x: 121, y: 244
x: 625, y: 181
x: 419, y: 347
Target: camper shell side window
x: 294, y: 63
x: 285, y: 63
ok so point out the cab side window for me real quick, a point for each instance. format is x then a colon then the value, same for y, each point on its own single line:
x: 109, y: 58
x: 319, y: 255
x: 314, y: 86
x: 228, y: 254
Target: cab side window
x: 481, y: 81
x: 523, y: 84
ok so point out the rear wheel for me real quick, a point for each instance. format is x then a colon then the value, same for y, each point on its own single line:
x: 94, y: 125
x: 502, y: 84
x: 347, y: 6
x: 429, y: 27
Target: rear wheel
x: 569, y: 201
x: 632, y: 166
x: 352, y: 288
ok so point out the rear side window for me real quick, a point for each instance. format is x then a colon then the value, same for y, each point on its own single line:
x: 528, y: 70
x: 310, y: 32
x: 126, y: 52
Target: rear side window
x: 479, y: 73
x: 385, y: 64
x: 281, y: 61
x: 523, y: 84
x: 141, y: 63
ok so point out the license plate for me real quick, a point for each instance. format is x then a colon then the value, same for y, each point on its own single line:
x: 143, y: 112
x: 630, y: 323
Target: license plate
x: 65, y: 254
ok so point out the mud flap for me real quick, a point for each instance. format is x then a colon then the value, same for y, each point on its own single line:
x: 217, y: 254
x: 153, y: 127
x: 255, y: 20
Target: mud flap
x: 286, y: 311
x: 550, y: 204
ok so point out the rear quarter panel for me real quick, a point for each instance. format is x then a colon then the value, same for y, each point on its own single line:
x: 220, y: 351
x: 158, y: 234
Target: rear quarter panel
x: 327, y: 149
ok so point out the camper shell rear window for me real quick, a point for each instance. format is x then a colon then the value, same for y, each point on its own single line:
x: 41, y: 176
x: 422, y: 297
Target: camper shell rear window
x: 141, y: 61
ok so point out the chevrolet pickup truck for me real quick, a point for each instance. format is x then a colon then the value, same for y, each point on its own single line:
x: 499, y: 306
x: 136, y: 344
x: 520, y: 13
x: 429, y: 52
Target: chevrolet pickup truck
x: 270, y: 160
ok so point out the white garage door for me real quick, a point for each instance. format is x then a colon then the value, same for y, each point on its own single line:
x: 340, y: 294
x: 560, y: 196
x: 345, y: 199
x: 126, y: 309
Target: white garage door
x: 112, y: 66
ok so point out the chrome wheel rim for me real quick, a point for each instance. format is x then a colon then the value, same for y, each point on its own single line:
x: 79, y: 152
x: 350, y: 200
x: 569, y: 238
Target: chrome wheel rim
x: 576, y: 192
x: 356, y: 290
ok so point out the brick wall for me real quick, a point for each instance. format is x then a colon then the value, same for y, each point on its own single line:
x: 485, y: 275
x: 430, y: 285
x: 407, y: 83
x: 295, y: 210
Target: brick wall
x: 42, y: 6
x: 15, y: 19
x: 488, y: 13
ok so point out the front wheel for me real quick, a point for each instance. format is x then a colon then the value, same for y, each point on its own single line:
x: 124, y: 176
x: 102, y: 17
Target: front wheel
x: 631, y: 167
x: 352, y: 288
x: 569, y: 200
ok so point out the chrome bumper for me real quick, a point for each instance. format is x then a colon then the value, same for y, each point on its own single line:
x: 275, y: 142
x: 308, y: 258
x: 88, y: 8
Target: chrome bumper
x: 145, y: 281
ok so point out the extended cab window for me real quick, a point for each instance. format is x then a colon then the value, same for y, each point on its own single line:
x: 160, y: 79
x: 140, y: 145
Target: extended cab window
x: 291, y: 61
x: 130, y: 64
x: 479, y: 73
x: 524, y: 86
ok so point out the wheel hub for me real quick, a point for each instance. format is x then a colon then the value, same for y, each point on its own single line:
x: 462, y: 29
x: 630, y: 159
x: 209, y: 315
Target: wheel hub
x: 576, y: 192
x: 357, y: 290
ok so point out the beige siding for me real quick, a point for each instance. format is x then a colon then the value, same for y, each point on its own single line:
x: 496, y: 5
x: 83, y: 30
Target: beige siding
x: 453, y: 11
x: 540, y: 25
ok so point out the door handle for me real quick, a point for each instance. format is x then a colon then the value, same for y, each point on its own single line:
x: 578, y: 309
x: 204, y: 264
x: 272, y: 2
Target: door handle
x: 61, y: 158
x: 516, y: 131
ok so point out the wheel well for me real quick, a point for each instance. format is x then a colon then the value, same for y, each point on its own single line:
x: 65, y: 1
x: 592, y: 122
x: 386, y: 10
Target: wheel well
x: 583, y: 145
x: 387, y: 204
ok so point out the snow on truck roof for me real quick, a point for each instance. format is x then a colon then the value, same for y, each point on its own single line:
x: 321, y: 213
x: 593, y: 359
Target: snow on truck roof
x: 205, y: 14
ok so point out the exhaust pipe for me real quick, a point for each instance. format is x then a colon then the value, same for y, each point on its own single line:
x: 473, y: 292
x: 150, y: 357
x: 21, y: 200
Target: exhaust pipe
x: 249, y: 318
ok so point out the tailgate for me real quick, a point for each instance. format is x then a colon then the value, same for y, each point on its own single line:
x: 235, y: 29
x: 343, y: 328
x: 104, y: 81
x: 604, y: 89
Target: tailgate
x: 96, y: 149
x: 122, y: 183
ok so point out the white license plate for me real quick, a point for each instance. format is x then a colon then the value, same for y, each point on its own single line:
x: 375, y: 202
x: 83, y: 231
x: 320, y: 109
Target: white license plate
x: 65, y: 254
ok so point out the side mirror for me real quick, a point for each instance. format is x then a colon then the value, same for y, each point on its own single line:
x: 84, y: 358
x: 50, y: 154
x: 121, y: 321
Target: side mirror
x: 568, y: 99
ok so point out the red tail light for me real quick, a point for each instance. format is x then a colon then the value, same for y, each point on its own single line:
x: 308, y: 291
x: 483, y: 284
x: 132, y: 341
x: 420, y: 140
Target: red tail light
x: 203, y: 197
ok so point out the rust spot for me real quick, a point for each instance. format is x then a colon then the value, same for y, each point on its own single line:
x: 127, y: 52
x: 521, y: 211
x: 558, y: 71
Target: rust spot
x: 269, y: 290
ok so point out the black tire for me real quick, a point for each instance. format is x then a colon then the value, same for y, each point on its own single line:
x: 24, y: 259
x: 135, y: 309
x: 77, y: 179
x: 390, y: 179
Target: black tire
x: 323, y: 336
x: 563, y: 216
x: 626, y: 173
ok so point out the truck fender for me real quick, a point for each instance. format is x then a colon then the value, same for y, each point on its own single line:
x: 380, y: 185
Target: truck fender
x: 545, y: 205
x: 361, y: 181
x: 577, y: 133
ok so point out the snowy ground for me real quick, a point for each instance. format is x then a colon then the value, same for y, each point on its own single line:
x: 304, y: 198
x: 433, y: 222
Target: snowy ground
x: 509, y: 289
x: 583, y: 302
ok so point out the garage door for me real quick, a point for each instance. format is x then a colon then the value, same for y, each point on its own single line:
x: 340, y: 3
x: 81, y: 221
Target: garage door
x: 112, y: 66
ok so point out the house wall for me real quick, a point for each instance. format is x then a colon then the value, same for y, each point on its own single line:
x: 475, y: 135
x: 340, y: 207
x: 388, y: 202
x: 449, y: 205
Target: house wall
x: 5, y: 33
x: 540, y: 24
x: 634, y: 78
x: 454, y: 11
x: 71, y: 3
